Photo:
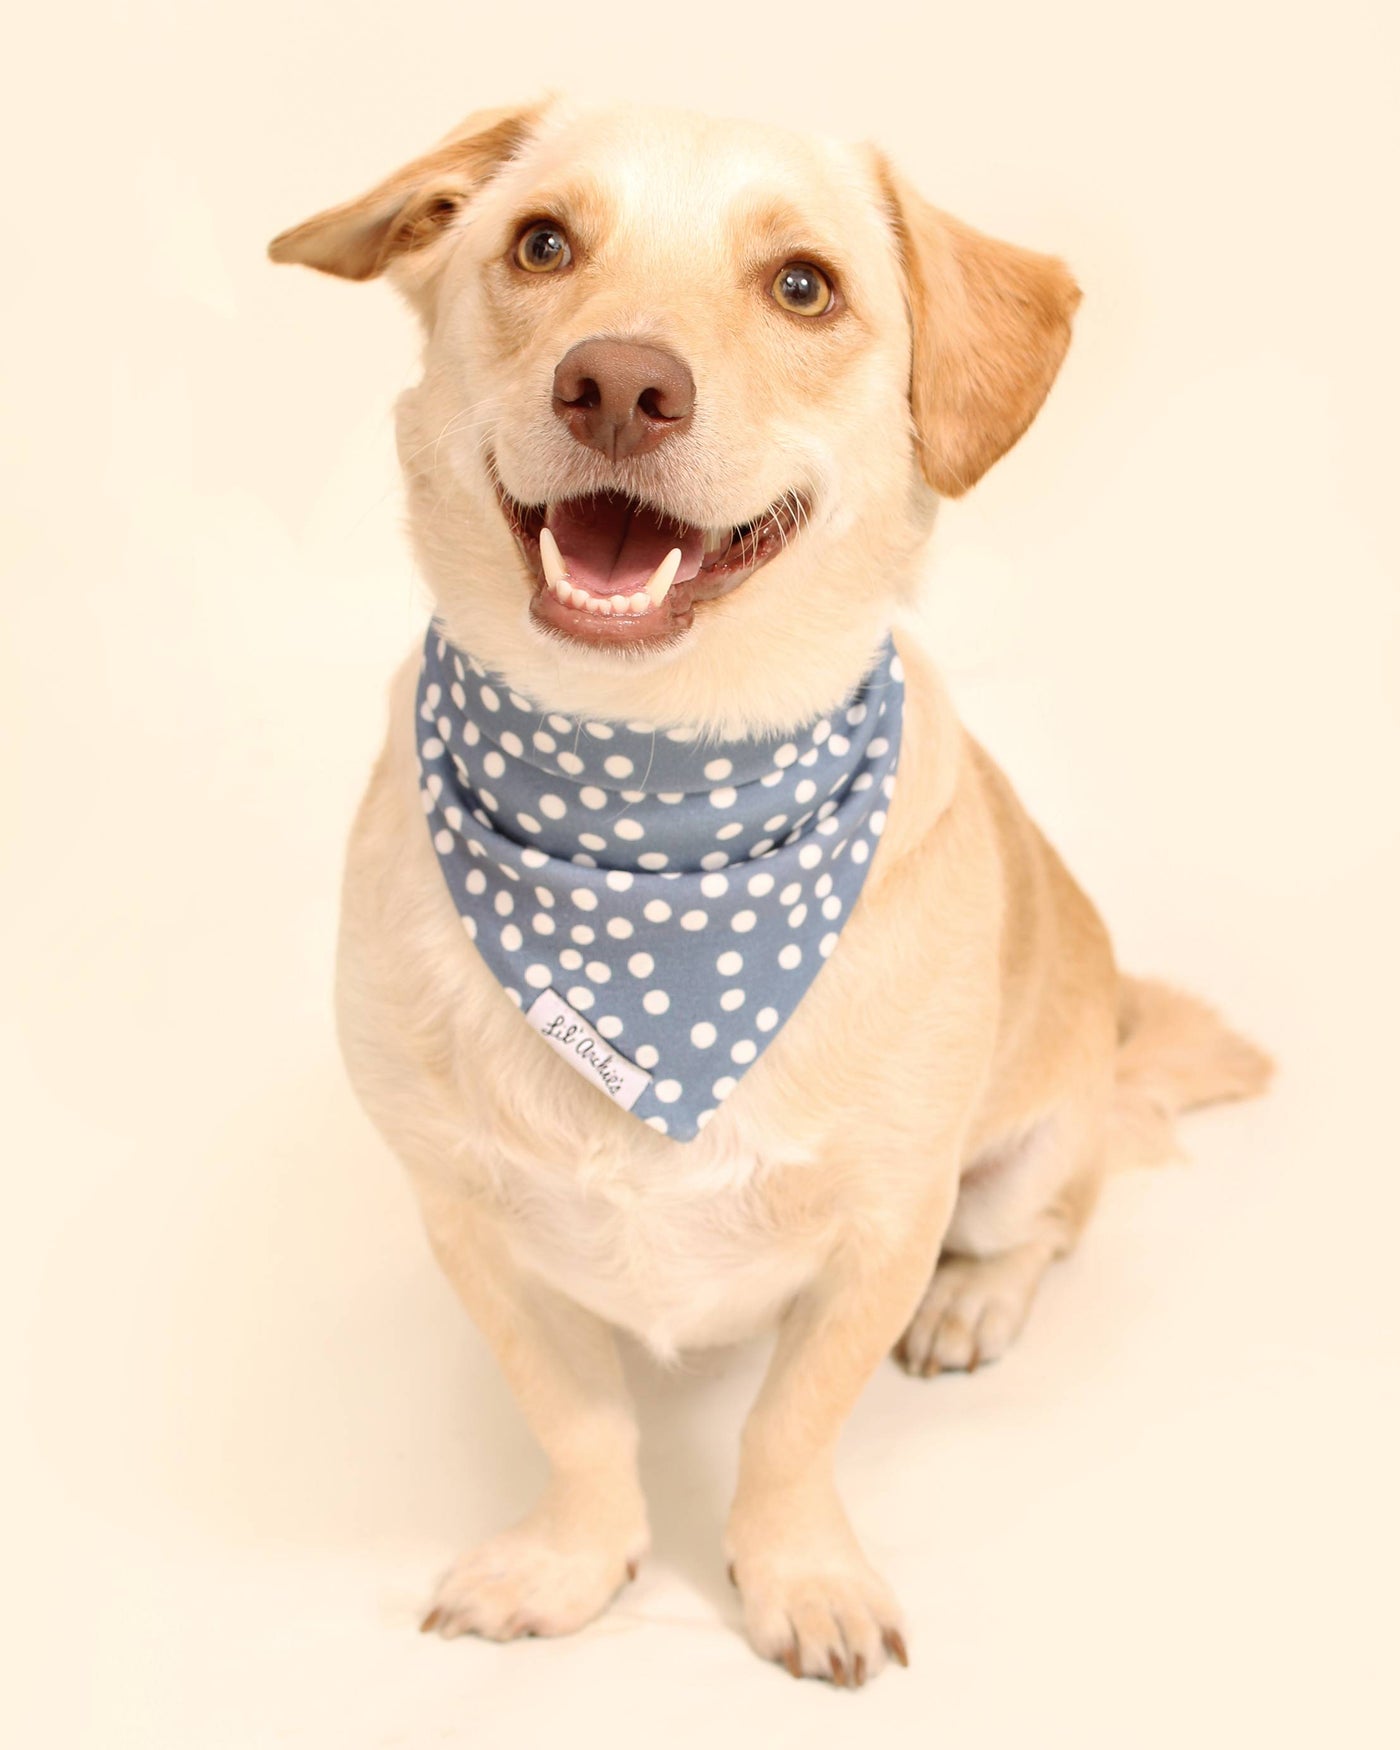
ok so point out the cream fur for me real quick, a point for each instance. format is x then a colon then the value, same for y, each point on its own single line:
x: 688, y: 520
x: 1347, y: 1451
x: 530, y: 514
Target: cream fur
x: 955, y: 1081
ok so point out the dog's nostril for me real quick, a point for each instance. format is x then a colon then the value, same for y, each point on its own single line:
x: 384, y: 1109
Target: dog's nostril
x: 622, y: 398
x: 589, y: 394
x: 651, y: 403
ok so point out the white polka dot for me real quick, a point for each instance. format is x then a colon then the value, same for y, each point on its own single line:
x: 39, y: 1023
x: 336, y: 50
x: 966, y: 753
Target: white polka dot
x: 730, y: 963
x: 443, y: 841
x: 743, y: 1051
x: 714, y: 860
x: 773, y: 824
x: 509, y: 873
x: 562, y: 724
x: 552, y: 806
x: 571, y: 960
x: 797, y: 917
x: 862, y: 781
x: 570, y: 763
x: 680, y: 733
x: 760, y: 885
x: 512, y: 743
x: 671, y: 797
x: 544, y: 742
x: 789, y: 956
x: 656, y: 1002
x: 712, y: 886
x: 743, y: 921
x: 609, y: 1026
x: 581, y: 934
x: 471, y: 734
x: 529, y: 822
x: 877, y: 822
x: 827, y: 943
x: 823, y: 886
x: 667, y: 1092
x: 805, y: 791
x: 585, y: 898
x: 703, y: 1118
x: 879, y: 747
x: 592, y: 797
x: 599, y: 973
x: 656, y: 1122
x: 762, y: 848
x: 840, y: 746
x: 514, y: 996
x: 641, y: 966
x: 724, y: 1087
x: 785, y: 755
x: 831, y: 908
x: 617, y: 765
x: 475, y: 882
x: 791, y: 893
x: 703, y: 1034
x: 538, y: 976
x: 545, y: 897
x: 820, y: 731
x: 627, y: 828
x: 511, y: 939
x: 652, y: 860
x: 542, y: 924
x: 860, y: 851
x: 717, y: 770
x: 619, y: 880
x: 581, y: 997
x: 723, y: 797
x: 656, y: 911
x: 856, y: 714
x: 601, y: 730
x: 646, y: 1056
x: 809, y: 856
x: 594, y: 841
x: 694, y: 920
x: 533, y: 859
x: 469, y: 925
x: 505, y: 905
x: 732, y: 999
x: 490, y: 802
x: 766, y: 1019
x: 810, y: 758
x: 490, y: 699
x: 896, y: 669
x: 619, y: 928
x: 431, y: 748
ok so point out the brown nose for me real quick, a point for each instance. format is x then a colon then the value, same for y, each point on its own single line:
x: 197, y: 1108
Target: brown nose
x: 622, y: 399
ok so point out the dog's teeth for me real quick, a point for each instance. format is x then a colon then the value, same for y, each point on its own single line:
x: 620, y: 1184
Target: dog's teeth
x: 555, y: 571
x: 640, y: 602
x: 579, y: 597
x: 619, y: 603
x: 661, y: 580
x: 563, y: 589
x: 602, y: 604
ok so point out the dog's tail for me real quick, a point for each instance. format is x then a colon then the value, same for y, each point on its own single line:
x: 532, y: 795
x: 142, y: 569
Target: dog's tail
x: 1174, y: 1052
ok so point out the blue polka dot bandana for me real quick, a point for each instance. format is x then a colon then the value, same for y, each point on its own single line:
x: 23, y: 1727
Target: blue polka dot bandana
x: 656, y: 904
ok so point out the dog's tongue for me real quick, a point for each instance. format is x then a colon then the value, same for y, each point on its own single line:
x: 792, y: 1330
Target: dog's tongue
x: 611, y: 546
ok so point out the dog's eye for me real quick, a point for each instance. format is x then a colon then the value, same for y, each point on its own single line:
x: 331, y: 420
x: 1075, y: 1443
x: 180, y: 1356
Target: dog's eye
x: 803, y: 289
x: 543, y: 248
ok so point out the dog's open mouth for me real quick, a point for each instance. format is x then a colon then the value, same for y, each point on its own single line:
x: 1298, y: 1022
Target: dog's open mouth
x: 611, y: 569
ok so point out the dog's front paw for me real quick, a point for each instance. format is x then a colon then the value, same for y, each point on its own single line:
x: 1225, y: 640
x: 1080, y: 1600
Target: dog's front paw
x: 817, y: 1607
x: 545, y: 1576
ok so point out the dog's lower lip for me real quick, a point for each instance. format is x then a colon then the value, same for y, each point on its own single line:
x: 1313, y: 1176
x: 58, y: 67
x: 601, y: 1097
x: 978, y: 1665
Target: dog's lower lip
x: 723, y: 568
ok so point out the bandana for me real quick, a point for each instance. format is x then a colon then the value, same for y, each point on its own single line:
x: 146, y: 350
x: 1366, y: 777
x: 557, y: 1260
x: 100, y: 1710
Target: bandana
x: 656, y: 904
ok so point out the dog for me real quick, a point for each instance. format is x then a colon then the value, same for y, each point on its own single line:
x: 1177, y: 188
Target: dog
x: 692, y: 391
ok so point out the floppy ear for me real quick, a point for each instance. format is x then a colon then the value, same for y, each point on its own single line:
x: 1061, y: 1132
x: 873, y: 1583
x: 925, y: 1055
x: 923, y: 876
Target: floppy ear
x: 990, y: 327
x: 405, y: 214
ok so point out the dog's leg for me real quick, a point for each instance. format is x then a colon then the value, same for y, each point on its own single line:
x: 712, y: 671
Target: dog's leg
x: 1020, y: 1207
x: 565, y: 1560
x: 811, y: 1599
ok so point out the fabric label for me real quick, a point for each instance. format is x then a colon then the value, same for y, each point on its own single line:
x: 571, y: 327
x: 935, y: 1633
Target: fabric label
x: 572, y: 1037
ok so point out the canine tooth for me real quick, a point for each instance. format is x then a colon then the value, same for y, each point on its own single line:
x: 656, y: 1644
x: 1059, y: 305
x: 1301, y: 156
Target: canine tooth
x: 662, y: 578
x: 640, y: 602
x: 555, y: 571
x: 619, y: 603
x: 579, y: 597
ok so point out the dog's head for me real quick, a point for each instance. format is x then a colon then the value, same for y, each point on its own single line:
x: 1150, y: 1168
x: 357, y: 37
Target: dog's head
x: 690, y: 391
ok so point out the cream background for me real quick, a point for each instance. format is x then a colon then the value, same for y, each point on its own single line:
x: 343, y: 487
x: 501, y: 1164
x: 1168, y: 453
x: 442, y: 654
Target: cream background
x: 247, y: 1423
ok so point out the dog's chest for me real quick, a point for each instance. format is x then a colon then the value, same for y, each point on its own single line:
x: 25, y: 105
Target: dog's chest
x: 679, y: 1246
